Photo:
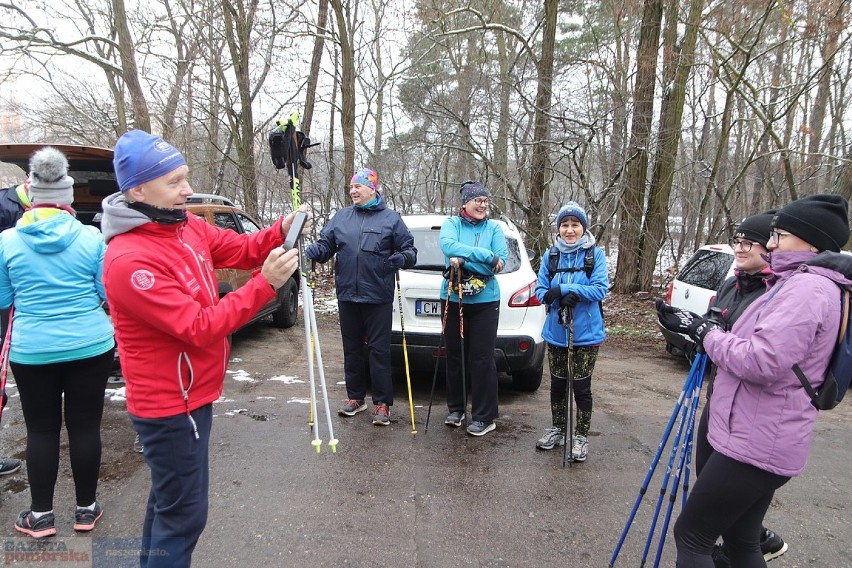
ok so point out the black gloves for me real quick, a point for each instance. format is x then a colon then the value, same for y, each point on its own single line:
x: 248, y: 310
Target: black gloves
x: 569, y: 300
x: 675, y: 319
x: 699, y: 328
x: 312, y: 251
x: 552, y: 295
x: 396, y: 261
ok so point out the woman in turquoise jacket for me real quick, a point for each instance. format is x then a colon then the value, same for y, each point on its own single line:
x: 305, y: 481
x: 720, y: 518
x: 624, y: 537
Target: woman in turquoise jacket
x: 577, y: 283
x: 61, y: 343
x: 474, y: 247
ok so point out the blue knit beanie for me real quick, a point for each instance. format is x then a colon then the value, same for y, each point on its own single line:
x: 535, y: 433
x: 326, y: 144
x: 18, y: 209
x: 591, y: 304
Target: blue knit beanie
x: 471, y: 190
x: 572, y: 209
x: 140, y: 157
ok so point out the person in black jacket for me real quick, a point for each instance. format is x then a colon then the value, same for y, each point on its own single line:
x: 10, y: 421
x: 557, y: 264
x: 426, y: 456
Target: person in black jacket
x: 371, y: 243
x: 13, y: 202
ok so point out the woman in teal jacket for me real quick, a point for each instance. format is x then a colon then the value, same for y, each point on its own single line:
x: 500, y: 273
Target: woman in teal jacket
x: 475, y: 247
x: 62, y: 341
x: 578, y: 285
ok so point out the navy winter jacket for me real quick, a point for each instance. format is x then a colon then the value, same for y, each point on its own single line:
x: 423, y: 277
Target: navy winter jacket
x: 363, y: 239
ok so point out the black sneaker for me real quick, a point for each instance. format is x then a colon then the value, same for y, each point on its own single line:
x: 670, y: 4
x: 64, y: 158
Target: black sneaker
x: 85, y: 519
x: 9, y: 466
x: 36, y: 528
x: 351, y: 407
x: 138, y: 447
x: 478, y: 428
x: 454, y: 418
x: 771, y: 545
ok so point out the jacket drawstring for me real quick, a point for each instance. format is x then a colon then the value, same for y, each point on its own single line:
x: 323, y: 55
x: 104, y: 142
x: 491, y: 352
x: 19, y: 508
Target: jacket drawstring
x: 185, y: 390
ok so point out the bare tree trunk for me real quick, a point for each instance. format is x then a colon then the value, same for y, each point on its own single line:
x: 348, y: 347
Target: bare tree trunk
x: 316, y: 59
x: 347, y: 89
x: 679, y: 66
x: 540, y: 173
x: 130, y: 73
x: 630, y: 213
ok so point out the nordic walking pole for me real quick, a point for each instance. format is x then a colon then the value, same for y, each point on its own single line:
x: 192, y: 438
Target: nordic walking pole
x: 405, y: 354
x: 4, y: 361
x: 687, y: 387
x: 682, y: 423
x: 569, y: 392
x: 440, y: 345
x: 332, y: 441
x: 461, y: 338
x: 685, y: 450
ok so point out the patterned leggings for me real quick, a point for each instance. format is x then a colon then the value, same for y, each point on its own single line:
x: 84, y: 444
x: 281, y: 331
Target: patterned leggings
x: 583, y: 363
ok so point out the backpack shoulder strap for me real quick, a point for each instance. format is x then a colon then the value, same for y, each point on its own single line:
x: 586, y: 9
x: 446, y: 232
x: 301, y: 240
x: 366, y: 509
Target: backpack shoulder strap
x: 553, y: 262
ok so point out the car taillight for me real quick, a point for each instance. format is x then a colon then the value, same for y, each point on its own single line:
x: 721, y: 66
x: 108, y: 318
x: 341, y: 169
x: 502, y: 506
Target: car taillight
x: 525, y: 297
x: 669, y: 294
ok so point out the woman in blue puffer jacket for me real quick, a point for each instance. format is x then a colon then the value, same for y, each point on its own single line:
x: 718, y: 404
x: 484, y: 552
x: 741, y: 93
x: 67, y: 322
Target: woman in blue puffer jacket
x: 578, y: 284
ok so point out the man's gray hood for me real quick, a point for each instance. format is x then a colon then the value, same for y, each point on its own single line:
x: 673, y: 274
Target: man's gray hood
x: 118, y: 218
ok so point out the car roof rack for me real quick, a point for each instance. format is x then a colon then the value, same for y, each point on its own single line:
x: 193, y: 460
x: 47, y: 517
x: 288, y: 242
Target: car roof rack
x: 209, y: 198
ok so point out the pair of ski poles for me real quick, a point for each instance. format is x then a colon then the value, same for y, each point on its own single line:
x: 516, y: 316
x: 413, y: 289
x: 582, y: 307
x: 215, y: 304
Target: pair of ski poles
x: 455, y: 272
x: 685, y: 407
x: 314, y: 355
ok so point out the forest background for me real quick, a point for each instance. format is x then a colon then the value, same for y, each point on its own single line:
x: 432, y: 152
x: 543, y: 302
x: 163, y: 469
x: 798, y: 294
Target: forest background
x: 668, y: 120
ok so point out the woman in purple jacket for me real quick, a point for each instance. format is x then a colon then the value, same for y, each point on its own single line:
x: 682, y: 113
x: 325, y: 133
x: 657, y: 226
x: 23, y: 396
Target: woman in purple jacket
x: 761, y: 419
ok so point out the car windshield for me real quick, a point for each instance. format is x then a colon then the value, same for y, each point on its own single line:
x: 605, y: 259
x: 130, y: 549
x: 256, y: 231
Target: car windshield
x: 430, y: 257
x: 706, y: 269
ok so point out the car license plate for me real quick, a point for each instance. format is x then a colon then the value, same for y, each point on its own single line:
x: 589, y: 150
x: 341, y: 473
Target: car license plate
x: 427, y: 308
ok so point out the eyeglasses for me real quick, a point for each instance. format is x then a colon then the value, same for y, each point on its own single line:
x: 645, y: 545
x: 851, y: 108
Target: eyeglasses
x: 776, y: 236
x: 480, y: 201
x: 744, y: 245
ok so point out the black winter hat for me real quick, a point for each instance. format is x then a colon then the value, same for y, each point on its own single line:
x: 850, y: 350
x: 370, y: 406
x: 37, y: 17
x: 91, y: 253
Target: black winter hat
x: 820, y: 220
x: 756, y: 228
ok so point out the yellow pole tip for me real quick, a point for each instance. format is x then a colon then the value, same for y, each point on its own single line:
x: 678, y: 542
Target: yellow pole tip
x: 414, y: 432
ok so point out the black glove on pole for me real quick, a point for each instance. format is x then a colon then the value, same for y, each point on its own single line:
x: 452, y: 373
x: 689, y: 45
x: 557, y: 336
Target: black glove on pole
x: 551, y: 295
x: 675, y: 319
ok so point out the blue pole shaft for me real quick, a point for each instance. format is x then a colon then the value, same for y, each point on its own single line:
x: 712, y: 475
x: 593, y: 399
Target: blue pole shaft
x: 687, y: 387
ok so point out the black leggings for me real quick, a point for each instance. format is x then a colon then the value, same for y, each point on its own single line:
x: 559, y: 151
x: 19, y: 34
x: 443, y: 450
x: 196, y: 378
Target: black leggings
x: 82, y: 382
x: 729, y: 499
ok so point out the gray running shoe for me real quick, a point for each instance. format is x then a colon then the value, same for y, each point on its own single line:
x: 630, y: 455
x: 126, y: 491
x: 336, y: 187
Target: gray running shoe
x: 552, y: 438
x: 381, y: 415
x: 454, y: 418
x: 478, y: 428
x: 351, y: 407
x: 36, y: 528
x: 85, y: 519
x: 580, y: 449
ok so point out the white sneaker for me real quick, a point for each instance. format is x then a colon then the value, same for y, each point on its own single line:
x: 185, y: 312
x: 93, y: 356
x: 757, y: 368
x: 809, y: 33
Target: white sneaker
x: 580, y: 449
x: 552, y: 438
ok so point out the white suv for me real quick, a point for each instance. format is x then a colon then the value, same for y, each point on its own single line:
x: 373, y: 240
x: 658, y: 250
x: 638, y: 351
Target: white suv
x: 520, y: 348
x: 694, y: 287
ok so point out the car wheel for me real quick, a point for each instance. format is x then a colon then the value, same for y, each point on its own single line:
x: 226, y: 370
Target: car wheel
x: 288, y: 307
x: 527, y: 380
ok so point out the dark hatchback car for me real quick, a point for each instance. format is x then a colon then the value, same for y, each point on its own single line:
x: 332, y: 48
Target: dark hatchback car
x: 94, y: 179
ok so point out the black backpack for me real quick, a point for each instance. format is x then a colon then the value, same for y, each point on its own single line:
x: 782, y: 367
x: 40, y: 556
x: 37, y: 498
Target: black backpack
x: 588, y: 266
x: 839, y: 372
x: 553, y: 261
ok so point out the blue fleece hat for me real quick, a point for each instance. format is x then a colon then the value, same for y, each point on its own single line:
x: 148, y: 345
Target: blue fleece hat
x: 572, y: 209
x: 140, y: 157
x: 471, y: 190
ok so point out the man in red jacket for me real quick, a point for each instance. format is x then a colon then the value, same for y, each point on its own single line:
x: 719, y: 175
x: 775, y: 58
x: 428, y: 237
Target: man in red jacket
x: 172, y: 328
